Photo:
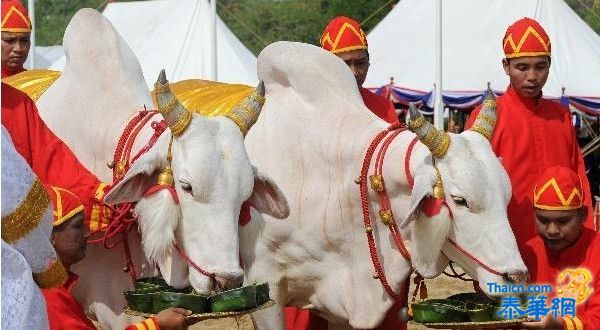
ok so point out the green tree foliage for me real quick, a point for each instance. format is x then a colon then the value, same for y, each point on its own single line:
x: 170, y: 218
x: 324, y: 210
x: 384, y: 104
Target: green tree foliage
x: 589, y: 10
x: 52, y: 17
x: 258, y: 23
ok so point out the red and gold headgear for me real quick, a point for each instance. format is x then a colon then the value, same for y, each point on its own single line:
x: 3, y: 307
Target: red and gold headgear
x: 526, y: 37
x: 558, y: 188
x: 343, y: 34
x: 66, y: 204
x: 14, y: 17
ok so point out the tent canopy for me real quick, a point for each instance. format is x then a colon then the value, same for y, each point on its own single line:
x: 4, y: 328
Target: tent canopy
x: 403, y: 46
x: 172, y: 34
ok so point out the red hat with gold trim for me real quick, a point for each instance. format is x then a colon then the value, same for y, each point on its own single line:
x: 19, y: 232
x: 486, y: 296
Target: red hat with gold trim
x: 526, y: 37
x: 66, y: 204
x: 343, y: 34
x: 14, y: 17
x: 558, y: 188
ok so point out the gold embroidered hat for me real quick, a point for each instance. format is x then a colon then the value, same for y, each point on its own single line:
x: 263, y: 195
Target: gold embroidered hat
x: 558, y: 188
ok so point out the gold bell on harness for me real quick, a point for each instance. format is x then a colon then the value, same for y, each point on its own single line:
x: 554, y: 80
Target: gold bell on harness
x: 438, y: 187
x: 165, y: 178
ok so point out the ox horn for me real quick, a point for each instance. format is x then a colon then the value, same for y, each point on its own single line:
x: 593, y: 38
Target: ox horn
x: 246, y: 112
x: 176, y: 116
x: 486, y: 119
x: 437, y: 141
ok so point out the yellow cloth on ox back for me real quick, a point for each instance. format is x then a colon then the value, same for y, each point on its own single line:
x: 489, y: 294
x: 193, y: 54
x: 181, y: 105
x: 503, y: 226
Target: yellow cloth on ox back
x: 208, y: 98
x: 33, y: 82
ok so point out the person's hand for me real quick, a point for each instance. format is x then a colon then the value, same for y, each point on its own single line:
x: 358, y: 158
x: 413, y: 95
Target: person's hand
x: 173, y: 318
x: 547, y: 322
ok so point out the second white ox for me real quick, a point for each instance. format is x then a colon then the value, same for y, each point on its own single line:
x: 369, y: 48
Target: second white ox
x: 311, y: 138
x: 99, y: 91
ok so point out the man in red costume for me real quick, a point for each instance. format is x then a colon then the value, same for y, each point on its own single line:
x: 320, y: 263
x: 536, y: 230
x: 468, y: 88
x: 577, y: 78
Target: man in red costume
x: 50, y: 159
x: 531, y: 133
x: 69, y: 240
x: 345, y: 38
x: 16, y: 33
x: 565, y: 254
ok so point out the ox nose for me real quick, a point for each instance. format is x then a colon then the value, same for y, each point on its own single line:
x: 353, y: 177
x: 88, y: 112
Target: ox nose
x: 517, y: 277
x: 227, y: 283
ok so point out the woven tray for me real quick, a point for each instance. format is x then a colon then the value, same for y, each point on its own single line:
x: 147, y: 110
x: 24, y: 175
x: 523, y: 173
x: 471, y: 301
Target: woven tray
x: 206, y: 316
x: 474, y: 325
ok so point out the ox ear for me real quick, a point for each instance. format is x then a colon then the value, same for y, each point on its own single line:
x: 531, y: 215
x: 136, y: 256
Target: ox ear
x: 423, y: 186
x: 140, y: 176
x: 427, y: 234
x: 267, y: 198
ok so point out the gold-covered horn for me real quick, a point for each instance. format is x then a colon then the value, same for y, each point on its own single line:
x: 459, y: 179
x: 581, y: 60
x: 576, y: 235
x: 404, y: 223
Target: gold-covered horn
x: 176, y: 116
x: 486, y: 119
x: 436, y: 140
x: 246, y: 112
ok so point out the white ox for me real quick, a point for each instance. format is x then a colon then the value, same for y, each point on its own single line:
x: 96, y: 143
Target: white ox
x: 100, y: 90
x: 311, y: 138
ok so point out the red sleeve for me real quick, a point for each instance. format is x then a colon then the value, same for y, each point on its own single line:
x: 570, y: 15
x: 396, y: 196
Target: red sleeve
x: 577, y: 162
x: 64, y: 312
x: 147, y: 324
x: 590, y: 318
x: 50, y: 159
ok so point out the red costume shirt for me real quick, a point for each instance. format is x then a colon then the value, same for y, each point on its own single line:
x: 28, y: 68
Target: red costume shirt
x: 50, y: 159
x: 8, y: 73
x: 379, y: 105
x: 531, y: 135
x: 545, y: 266
x: 64, y: 312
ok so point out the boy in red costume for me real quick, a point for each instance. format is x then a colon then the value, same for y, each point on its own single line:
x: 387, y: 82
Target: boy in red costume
x: 565, y: 254
x: 531, y: 133
x: 345, y: 38
x: 69, y: 240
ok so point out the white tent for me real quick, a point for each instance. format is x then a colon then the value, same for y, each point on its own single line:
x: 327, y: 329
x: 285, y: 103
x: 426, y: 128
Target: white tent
x: 45, y: 56
x: 172, y: 34
x: 403, y: 46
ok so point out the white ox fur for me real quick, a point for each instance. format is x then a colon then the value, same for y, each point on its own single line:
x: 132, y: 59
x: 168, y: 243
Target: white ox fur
x: 88, y: 107
x: 311, y: 138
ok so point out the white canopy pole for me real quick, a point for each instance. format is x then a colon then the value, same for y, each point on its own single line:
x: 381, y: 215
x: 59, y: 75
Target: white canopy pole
x: 31, y: 10
x: 213, y: 41
x: 438, y: 109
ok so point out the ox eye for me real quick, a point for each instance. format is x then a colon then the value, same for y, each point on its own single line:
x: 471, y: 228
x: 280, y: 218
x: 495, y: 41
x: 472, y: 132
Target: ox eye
x: 459, y: 201
x: 186, y: 187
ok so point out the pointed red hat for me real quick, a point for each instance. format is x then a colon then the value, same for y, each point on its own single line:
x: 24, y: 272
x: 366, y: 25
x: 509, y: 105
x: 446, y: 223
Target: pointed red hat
x: 343, y: 34
x: 558, y: 188
x: 14, y: 17
x: 66, y: 204
x: 526, y: 37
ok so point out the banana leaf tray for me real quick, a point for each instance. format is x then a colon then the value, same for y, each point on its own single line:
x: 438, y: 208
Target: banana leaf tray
x: 206, y: 316
x: 474, y: 325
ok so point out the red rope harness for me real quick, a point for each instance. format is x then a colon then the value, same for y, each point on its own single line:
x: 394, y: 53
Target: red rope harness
x: 192, y: 263
x: 395, y: 129
x: 124, y: 220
